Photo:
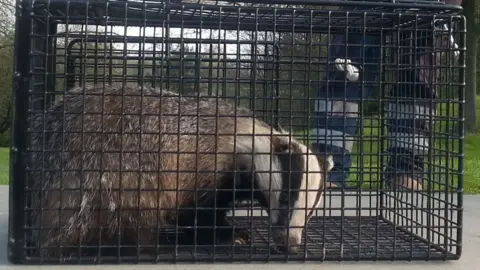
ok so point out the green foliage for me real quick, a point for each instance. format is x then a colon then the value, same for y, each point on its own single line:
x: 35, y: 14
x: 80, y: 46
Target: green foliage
x: 5, y: 139
x: 5, y: 86
x: 6, y: 49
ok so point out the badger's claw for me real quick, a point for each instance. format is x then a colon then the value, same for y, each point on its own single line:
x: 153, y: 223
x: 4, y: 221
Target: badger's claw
x: 241, y: 237
x: 351, y: 71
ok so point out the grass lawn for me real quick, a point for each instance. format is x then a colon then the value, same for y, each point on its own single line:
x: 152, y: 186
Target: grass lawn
x: 365, y: 168
x: 4, y: 157
x: 471, y: 180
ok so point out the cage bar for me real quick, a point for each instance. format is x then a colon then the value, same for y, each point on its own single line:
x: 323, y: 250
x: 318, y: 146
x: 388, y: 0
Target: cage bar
x: 270, y: 57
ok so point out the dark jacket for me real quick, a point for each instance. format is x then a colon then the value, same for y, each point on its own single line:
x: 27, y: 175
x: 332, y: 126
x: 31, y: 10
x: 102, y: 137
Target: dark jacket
x: 452, y: 2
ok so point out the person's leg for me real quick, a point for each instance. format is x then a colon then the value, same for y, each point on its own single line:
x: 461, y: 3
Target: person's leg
x: 407, y: 129
x: 337, y: 106
x: 409, y: 113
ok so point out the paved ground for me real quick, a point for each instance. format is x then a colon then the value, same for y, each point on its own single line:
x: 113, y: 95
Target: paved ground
x: 470, y: 258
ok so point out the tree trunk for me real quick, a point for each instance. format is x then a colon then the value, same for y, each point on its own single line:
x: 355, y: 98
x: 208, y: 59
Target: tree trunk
x: 471, y: 84
x: 471, y: 70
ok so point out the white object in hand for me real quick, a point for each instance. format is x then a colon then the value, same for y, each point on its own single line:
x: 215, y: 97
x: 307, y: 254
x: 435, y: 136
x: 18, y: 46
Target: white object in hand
x: 452, y: 43
x: 456, y: 52
x: 351, y: 72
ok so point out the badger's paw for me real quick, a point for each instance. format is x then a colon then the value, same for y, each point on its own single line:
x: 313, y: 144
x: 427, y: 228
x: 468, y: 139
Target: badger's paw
x: 241, y: 237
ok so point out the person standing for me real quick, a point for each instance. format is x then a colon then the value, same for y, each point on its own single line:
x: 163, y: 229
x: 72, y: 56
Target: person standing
x: 407, y: 122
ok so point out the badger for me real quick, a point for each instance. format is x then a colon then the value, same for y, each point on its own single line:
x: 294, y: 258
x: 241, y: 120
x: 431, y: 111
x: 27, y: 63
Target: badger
x: 124, y: 160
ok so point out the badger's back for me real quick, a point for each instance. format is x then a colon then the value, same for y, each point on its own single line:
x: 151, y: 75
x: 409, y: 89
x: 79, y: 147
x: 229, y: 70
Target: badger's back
x: 132, y: 147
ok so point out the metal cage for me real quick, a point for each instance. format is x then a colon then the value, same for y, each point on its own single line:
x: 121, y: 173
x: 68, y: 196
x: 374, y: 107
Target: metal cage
x: 271, y: 57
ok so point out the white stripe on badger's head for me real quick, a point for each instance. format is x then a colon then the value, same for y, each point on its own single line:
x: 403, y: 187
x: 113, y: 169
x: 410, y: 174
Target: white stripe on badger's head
x: 292, y: 179
x: 268, y: 177
x: 302, y: 191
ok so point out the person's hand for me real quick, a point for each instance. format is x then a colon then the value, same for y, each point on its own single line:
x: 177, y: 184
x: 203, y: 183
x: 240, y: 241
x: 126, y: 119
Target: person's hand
x: 351, y: 71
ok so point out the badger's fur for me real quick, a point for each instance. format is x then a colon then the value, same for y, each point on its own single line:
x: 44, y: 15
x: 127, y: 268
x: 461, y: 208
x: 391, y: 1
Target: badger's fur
x: 116, y: 155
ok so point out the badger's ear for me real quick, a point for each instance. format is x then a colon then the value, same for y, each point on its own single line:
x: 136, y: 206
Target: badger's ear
x: 280, y: 144
x: 326, y: 161
x: 281, y: 130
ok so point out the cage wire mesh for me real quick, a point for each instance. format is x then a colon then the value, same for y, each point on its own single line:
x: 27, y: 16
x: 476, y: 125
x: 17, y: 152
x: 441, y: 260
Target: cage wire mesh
x: 270, y: 57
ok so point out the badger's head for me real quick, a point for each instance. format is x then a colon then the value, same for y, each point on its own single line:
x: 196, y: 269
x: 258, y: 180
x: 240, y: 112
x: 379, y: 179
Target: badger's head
x: 293, y: 189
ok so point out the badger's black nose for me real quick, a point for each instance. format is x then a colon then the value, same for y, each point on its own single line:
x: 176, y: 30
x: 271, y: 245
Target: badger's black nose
x: 288, y: 249
x: 285, y: 244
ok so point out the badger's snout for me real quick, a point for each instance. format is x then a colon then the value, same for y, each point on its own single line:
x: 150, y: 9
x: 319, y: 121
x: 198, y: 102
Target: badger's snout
x: 288, y: 241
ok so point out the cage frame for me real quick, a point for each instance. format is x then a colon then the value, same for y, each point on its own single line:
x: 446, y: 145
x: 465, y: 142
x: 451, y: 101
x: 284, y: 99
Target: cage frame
x: 22, y: 82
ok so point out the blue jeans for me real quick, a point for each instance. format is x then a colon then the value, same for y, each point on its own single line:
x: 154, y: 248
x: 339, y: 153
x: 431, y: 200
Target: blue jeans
x: 407, y: 121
